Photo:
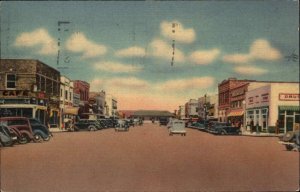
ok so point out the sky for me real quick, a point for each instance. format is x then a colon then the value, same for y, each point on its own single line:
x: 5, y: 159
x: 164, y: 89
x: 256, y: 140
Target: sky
x: 126, y: 48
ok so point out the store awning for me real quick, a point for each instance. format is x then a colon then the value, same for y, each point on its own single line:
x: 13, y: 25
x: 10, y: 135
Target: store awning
x: 236, y: 113
x: 289, y: 108
x: 71, y: 110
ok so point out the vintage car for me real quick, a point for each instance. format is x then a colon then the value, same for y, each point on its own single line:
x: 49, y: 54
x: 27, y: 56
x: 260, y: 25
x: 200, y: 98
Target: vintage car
x: 87, y: 124
x: 7, y: 138
x: 214, y: 124
x: 224, y: 130
x: 122, y: 125
x: 21, y: 125
x: 176, y: 126
x: 197, y: 125
x: 163, y: 121
x: 40, y: 131
x: 291, y: 140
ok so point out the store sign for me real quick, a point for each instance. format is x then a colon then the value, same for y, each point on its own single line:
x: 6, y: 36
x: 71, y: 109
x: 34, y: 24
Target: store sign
x: 289, y: 97
x: 14, y: 93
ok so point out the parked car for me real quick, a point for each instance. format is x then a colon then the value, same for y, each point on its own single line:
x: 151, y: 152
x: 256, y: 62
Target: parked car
x: 291, y: 140
x: 197, y: 125
x: 224, y: 129
x: 176, y: 127
x: 19, y: 124
x: 122, y: 125
x: 163, y: 121
x: 7, y: 138
x: 213, y: 124
x: 40, y: 131
x: 87, y: 124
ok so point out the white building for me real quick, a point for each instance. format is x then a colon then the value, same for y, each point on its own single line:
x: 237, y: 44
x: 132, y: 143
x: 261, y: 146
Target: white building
x: 66, y: 97
x: 208, y: 104
x: 181, y: 112
x: 192, y: 108
x: 275, y: 103
x: 111, y: 106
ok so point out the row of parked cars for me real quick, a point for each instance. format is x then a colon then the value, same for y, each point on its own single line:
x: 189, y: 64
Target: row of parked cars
x: 22, y: 130
x: 98, y: 124
x: 215, y: 127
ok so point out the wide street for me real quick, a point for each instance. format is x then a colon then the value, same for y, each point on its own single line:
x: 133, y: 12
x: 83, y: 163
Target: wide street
x: 147, y: 159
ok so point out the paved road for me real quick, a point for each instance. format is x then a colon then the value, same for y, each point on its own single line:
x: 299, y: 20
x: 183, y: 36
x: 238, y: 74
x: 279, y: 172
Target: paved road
x: 147, y: 159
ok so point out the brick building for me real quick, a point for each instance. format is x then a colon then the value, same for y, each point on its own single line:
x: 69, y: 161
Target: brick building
x: 29, y: 88
x: 81, y: 89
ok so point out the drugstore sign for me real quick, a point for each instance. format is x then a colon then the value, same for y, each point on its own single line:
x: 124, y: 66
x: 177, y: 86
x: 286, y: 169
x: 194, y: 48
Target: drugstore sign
x: 289, y: 97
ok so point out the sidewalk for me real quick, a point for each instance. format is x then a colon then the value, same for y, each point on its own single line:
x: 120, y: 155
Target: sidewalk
x: 57, y: 130
x: 259, y: 134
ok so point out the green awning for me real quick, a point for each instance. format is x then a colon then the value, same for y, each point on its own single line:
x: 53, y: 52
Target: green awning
x: 289, y: 108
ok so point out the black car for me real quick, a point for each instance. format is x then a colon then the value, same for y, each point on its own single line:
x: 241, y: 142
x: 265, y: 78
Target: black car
x: 163, y: 121
x: 87, y: 124
x: 7, y: 138
x: 40, y: 131
x: 224, y: 129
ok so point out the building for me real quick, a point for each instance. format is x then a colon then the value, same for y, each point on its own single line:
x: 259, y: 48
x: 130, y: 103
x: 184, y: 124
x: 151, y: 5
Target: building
x: 191, y: 108
x: 111, y: 106
x: 97, y: 103
x: 208, y: 107
x: 224, y: 94
x: 152, y: 114
x: 181, y: 112
x: 273, y: 107
x: 66, y: 100
x: 82, y: 89
x: 29, y: 88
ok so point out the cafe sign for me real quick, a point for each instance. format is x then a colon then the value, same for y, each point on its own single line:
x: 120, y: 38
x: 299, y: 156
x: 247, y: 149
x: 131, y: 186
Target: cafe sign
x: 14, y: 93
x: 289, y: 97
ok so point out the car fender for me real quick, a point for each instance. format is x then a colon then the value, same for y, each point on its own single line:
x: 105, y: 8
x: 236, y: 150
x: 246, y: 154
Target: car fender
x: 29, y: 134
x: 44, y: 135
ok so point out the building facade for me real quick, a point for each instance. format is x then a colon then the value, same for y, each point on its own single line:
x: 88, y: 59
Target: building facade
x: 191, y: 108
x: 273, y: 107
x: 66, y: 99
x: 97, y: 103
x: 29, y: 88
x: 111, y: 106
x: 82, y: 89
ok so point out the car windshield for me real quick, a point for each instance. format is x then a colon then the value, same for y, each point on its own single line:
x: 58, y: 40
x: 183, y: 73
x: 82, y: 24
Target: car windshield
x: 34, y: 122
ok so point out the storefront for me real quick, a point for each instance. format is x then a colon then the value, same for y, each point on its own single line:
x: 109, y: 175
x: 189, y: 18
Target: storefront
x: 273, y: 108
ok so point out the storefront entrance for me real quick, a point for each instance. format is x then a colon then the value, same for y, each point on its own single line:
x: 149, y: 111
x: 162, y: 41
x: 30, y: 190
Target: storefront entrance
x: 289, y: 118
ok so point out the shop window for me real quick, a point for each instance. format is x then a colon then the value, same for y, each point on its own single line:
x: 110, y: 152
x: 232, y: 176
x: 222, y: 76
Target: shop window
x: 11, y: 81
x: 289, y: 112
x: 297, y: 118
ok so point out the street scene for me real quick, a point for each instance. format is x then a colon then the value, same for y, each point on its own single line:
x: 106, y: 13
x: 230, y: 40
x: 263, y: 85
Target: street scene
x: 146, y: 158
x: 149, y: 96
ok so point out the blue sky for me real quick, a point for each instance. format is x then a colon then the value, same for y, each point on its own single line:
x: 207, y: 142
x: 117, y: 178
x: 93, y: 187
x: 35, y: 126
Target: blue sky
x: 125, y: 48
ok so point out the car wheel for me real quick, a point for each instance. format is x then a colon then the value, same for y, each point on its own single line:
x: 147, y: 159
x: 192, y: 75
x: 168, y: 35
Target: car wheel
x: 37, y: 138
x: 289, y: 147
x: 92, y: 128
x: 24, y: 139
x: 288, y: 136
x: 46, y: 138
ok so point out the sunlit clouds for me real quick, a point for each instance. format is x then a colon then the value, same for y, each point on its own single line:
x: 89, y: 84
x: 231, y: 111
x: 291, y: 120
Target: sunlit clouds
x: 116, y: 67
x: 79, y: 43
x: 40, y: 39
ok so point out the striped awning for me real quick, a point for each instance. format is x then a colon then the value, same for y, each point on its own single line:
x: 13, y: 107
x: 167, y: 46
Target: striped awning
x: 236, y: 113
x: 289, y: 108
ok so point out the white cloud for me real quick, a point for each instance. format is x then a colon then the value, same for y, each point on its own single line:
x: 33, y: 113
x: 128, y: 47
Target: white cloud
x: 131, y: 52
x: 178, y: 32
x: 260, y: 49
x: 187, y: 84
x: 237, y: 58
x: 250, y: 70
x: 115, y: 67
x: 39, y: 37
x: 128, y: 83
x: 204, y: 57
x: 163, y: 50
x: 80, y: 44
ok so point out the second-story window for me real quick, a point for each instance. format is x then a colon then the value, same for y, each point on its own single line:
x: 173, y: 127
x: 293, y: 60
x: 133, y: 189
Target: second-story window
x: 66, y: 94
x: 11, y: 81
x: 70, y: 96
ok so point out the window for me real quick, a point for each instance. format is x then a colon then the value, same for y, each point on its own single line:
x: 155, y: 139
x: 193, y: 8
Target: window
x: 70, y: 96
x: 61, y: 93
x: 10, y: 81
x: 66, y: 94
